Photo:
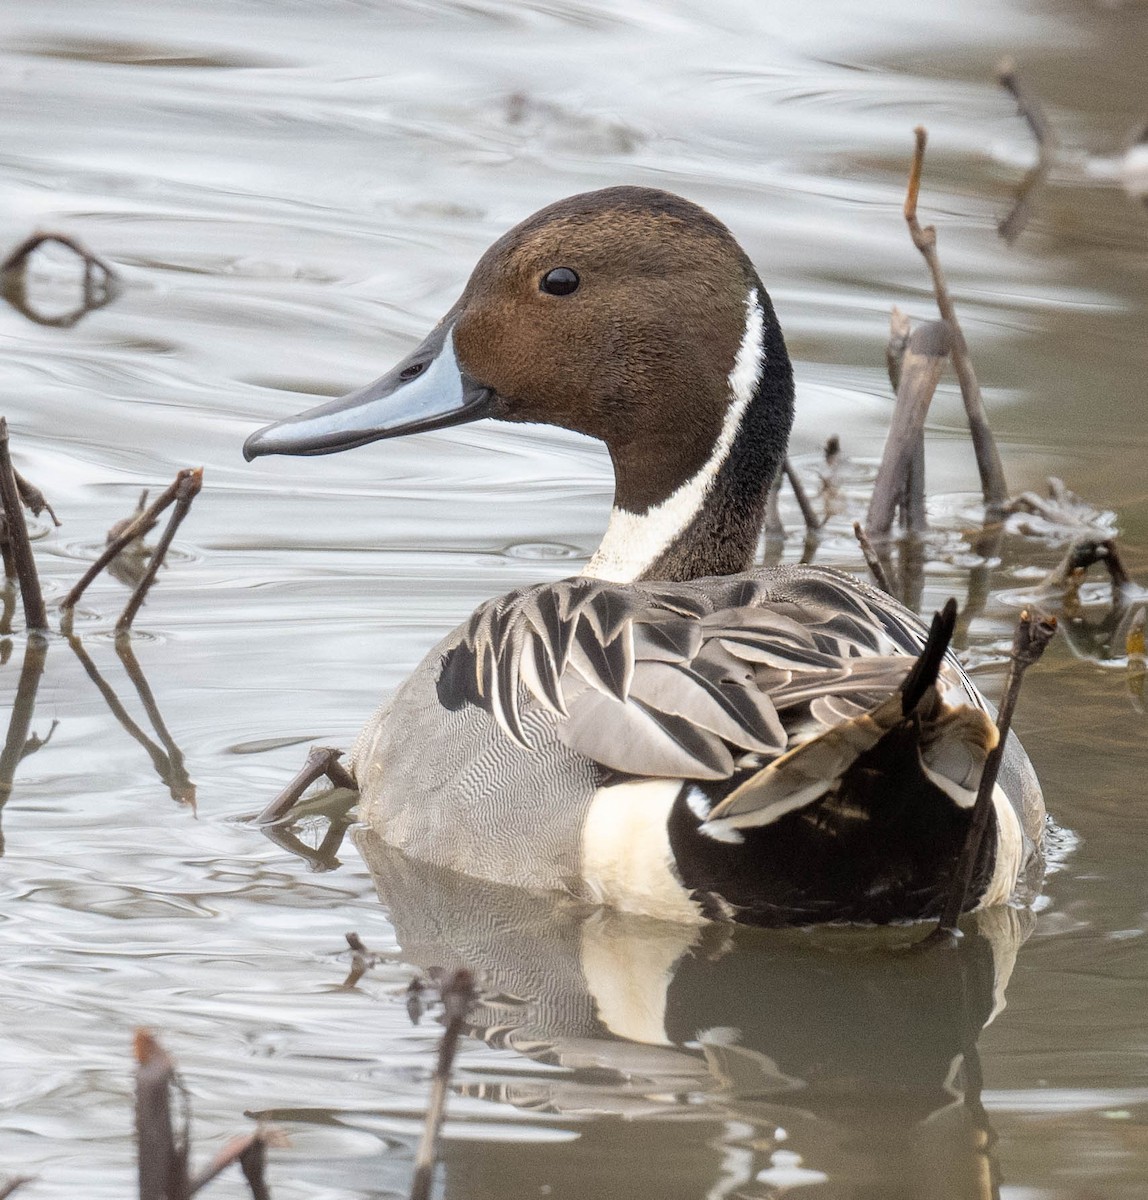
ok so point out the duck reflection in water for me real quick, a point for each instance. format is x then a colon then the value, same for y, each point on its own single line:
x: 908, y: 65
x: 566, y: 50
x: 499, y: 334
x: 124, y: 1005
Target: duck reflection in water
x: 746, y: 1061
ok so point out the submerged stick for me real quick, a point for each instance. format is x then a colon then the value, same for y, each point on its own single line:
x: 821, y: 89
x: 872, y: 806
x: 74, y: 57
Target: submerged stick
x: 186, y: 491
x: 920, y: 370
x: 989, y: 465
x: 812, y: 523
x: 322, y: 760
x: 872, y: 561
x: 457, y: 997
x: 16, y: 529
x: 1029, y: 642
x: 10, y: 1185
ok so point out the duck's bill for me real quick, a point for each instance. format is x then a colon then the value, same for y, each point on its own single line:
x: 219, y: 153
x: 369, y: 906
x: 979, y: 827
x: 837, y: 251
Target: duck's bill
x: 427, y: 390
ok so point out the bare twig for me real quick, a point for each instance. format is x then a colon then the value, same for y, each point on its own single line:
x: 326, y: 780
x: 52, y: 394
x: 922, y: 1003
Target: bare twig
x: 186, y: 491
x: 16, y: 530
x: 984, y: 445
x: 322, y: 760
x: 163, y: 1151
x: 872, y: 561
x: 250, y: 1152
x: 10, y: 1185
x: 1029, y: 642
x: 457, y: 998
x: 812, y: 523
x: 921, y: 364
x: 1029, y: 107
x: 137, y: 527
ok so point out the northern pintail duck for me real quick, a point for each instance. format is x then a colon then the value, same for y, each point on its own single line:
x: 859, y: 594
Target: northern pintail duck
x: 672, y: 732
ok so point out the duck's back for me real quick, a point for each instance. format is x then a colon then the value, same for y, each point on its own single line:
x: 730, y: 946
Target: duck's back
x: 526, y: 725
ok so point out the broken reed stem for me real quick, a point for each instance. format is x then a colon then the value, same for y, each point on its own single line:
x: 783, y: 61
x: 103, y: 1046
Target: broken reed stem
x: 989, y: 465
x: 457, y: 997
x: 163, y: 1152
x: 812, y: 524
x: 137, y: 527
x: 322, y: 760
x: 250, y: 1152
x: 1029, y: 107
x: 16, y: 531
x: 186, y: 491
x: 898, y: 484
x: 1029, y: 642
x: 876, y: 567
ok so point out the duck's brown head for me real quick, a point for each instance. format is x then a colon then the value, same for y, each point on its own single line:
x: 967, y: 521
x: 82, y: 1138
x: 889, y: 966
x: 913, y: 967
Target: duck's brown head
x: 628, y: 314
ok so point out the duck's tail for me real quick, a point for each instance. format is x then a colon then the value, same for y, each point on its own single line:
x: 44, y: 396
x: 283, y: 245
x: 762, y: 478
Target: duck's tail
x: 952, y: 743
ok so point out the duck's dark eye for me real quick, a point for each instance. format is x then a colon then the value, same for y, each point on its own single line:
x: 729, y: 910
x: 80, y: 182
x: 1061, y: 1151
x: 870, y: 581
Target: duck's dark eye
x: 559, y: 282
x: 412, y: 372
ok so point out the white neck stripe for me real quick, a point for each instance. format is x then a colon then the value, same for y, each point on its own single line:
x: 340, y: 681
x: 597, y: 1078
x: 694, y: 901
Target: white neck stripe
x: 632, y: 541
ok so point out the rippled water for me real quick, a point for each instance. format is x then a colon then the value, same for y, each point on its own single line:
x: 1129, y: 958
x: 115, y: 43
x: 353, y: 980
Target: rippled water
x: 293, y: 192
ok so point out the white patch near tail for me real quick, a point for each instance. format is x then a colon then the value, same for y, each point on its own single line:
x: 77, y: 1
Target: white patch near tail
x: 634, y: 540
x: 628, y: 964
x: 627, y: 862
x: 1010, y: 851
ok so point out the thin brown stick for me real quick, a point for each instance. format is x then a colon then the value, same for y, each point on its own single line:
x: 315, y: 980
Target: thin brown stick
x: 457, y: 998
x: 186, y: 492
x: 812, y: 522
x: 137, y: 527
x: 322, y: 760
x: 1029, y: 642
x: 993, y: 483
x: 10, y: 1185
x: 872, y: 561
x: 250, y: 1152
x: 16, y: 530
x: 163, y: 1151
x: 1029, y: 107
x: 921, y: 365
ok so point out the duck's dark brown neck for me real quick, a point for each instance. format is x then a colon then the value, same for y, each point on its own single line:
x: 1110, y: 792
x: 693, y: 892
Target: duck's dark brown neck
x: 707, y: 521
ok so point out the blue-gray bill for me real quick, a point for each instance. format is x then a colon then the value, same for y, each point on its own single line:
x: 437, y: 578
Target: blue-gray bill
x: 427, y: 390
